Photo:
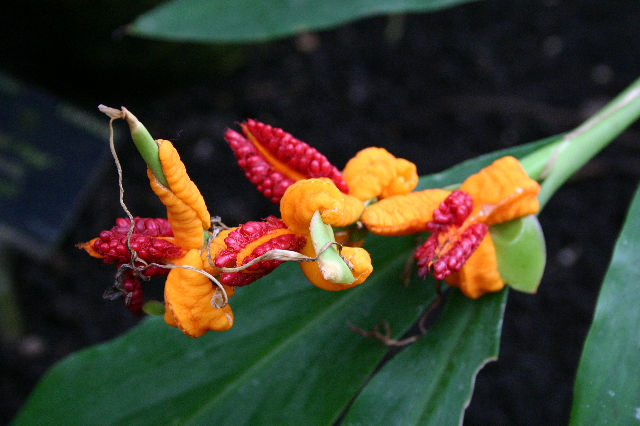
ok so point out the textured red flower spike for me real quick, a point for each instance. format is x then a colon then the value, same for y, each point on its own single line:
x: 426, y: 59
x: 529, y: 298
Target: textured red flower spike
x: 268, y: 235
x: 273, y: 159
x: 454, y: 209
x: 132, y: 293
x: 113, y: 248
x: 149, y: 240
x: 450, y: 244
x: 154, y: 227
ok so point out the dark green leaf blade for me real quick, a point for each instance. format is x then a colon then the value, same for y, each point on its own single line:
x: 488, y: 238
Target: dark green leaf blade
x: 250, y: 21
x: 430, y: 382
x: 607, y: 386
x: 289, y: 358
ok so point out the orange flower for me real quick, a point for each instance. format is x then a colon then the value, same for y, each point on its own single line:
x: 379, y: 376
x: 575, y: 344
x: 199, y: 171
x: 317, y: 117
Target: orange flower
x: 374, y: 172
x: 460, y: 249
x: 297, y: 207
x: 188, y: 293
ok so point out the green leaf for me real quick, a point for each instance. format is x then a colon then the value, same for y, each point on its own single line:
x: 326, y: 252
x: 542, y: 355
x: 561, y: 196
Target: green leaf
x: 290, y: 357
x: 430, y: 382
x: 250, y: 21
x: 521, y: 252
x: 607, y: 386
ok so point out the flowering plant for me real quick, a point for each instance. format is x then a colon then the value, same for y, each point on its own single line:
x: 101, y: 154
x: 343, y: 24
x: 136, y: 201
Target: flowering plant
x: 280, y: 345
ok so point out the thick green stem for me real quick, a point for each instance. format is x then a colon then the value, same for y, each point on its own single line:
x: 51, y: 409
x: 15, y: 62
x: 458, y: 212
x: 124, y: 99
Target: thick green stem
x: 556, y: 162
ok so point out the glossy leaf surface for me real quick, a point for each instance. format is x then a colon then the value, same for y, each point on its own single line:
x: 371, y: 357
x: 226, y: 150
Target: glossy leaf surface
x: 430, y: 382
x: 250, y: 21
x: 607, y: 386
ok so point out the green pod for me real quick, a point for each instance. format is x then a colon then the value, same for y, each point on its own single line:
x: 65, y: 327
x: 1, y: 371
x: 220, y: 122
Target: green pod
x: 332, y: 266
x: 147, y: 147
x: 521, y: 252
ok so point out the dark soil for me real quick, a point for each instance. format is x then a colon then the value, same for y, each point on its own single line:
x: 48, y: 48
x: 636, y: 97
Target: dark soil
x: 438, y: 89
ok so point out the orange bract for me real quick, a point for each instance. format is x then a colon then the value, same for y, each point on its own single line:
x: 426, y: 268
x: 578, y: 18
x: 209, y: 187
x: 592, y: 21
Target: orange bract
x: 403, y: 214
x: 188, y: 295
x: 374, y: 172
x: 501, y: 192
x: 185, y: 223
x: 358, y: 257
x: 216, y: 245
x: 180, y: 183
x: 307, y: 196
x: 480, y: 274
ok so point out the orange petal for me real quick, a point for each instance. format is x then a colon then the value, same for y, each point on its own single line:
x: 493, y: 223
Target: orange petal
x: 180, y: 183
x: 187, y: 297
x: 501, y: 192
x: 88, y: 247
x: 479, y: 275
x: 358, y: 257
x: 306, y: 196
x: 185, y: 223
x: 216, y: 245
x: 374, y: 172
x: 403, y: 214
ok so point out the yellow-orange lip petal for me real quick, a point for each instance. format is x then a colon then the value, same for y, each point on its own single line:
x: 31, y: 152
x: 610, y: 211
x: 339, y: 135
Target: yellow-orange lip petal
x: 480, y: 273
x: 403, y: 214
x: 376, y: 173
x: 188, y: 300
x: 358, y: 257
x: 502, y: 191
x: 305, y: 197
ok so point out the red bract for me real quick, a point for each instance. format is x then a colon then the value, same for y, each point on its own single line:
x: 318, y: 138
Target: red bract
x: 266, y: 236
x: 154, y: 227
x: 273, y: 159
x: 113, y: 248
x: 132, y: 293
x: 448, y: 247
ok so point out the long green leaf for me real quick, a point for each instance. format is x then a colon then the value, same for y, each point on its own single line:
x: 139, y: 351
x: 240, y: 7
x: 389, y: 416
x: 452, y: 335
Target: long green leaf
x: 607, y: 386
x: 290, y: 358
x: 250, y: 21
x: 431, y: 381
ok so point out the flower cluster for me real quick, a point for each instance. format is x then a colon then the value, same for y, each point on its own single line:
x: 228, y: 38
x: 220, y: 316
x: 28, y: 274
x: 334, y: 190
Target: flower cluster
x: 206, y: 262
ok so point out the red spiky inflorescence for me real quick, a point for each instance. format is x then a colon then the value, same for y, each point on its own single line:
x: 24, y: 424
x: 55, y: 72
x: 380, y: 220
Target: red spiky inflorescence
x: 131, y: 288
x: 146, y: 240
x: 453, y: 210
x: 246, y: 234
x: 153, y: 227
x: 297, y: 159
x: 447, y: 249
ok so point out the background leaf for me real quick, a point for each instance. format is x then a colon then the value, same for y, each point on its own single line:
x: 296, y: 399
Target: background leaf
x: 290, y: 357
x: 607, y: 386
x: 430, y: 382
x: 248, y: 21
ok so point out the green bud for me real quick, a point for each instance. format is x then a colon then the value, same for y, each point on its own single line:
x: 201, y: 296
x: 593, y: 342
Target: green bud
x: 332, y: 266
x: 521, y: 252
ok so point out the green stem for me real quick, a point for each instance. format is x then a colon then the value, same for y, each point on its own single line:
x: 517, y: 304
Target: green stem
x: 147, y: 147
x: 556, y: 162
